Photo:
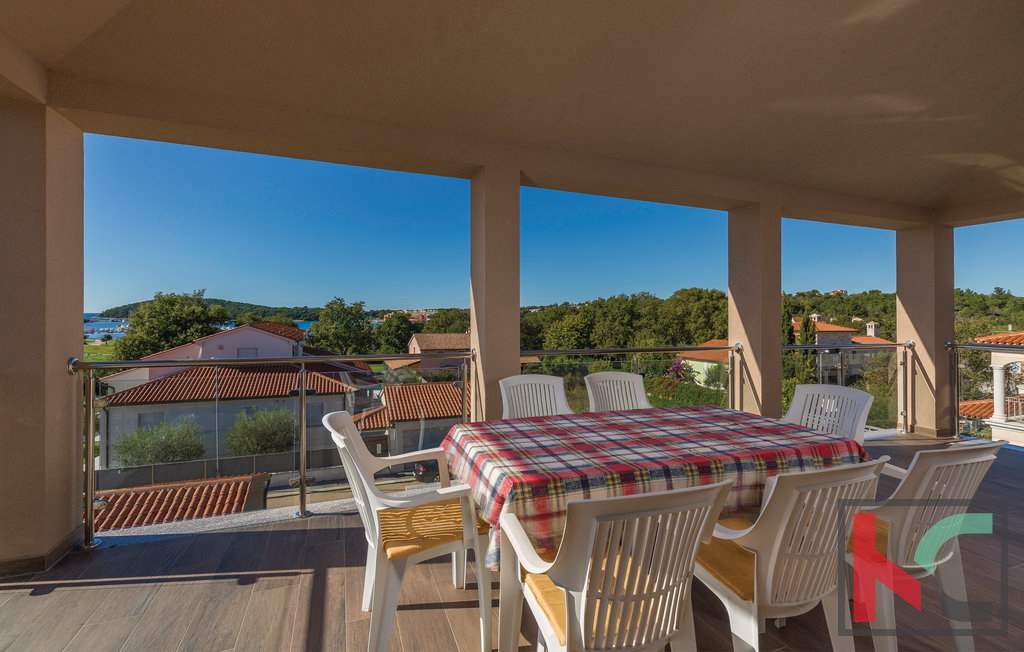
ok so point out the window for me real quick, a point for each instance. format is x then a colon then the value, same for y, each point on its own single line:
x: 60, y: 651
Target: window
x: 248, y: 353
x: 150, y: 419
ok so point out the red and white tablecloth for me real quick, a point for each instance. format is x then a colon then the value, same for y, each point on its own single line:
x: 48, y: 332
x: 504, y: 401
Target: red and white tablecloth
x: 532, y: 467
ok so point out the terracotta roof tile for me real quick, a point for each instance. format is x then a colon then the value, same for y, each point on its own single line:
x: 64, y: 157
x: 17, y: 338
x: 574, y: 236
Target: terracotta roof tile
x: 291, y: 332
x: 442, y: 341
x: 823, y: 327
x: 166, y: 503
x: 1016, y: 337
x: 226, y: 383
x: 869, y: 339
x: 710, y: 356
x: 413, y: 401
x: 982, y: 408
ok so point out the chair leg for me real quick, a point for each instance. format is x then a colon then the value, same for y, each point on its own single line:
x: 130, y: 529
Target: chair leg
x: 885, y: 619
x: 387, y: 588
x: 686, y: 638
x: 459, y: 569
x: 510, y: 601
x: 745, y: 625
x: 832, y: 605
x: 371, y: 566
x: 483, y: 586
x: 950, y: 576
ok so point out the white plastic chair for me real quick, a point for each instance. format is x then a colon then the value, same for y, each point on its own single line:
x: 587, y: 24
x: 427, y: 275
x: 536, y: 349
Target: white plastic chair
x: 934, y: 475
x: 786, y: 562
x: 609, y: 391
x: 831, y: 408
x: 532, y: 395
x: 621, y: 578
x: 404, y: 531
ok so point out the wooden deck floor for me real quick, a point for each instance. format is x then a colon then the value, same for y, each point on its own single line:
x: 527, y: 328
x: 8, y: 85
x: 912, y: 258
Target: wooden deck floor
x: 296, y: 585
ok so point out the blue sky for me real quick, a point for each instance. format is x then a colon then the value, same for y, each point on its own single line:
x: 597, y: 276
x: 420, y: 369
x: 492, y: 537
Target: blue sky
x: 287, y: 232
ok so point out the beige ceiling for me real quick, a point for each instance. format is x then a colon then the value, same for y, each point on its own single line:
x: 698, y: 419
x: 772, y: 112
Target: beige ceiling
x: 907, y: 102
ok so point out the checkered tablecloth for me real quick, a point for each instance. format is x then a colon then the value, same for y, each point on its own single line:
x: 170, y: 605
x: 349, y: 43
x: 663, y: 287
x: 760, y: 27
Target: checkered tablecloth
x: 533, y: 467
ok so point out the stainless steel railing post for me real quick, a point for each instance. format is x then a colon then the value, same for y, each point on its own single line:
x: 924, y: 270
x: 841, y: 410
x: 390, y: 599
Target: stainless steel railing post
x: 90, y: 542
x: 465, y: 389
x: 303, y: 512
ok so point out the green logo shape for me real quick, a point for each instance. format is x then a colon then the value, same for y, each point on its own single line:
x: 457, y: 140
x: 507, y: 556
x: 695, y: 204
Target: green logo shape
x: 946, y: 529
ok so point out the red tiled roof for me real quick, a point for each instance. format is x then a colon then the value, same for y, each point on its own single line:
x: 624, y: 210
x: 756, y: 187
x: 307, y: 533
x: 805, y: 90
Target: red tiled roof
x: 291, y: 332
x: 869, y: 339
x: 442, y: 341
x: 1016, y: 337
x: 375, y: 419
x: 710, y: 356
x: 980, y: 409
x: 822, y: 327
x: 226, y: 383
x: 180, y: 501
x: 413, y: 401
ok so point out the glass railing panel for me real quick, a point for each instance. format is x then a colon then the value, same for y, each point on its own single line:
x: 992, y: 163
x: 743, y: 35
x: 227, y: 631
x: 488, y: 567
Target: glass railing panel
x: 670, y: 380
x: 873, y: 370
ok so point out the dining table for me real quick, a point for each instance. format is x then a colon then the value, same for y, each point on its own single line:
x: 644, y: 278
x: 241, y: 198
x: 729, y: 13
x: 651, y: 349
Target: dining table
x: 532, y: 467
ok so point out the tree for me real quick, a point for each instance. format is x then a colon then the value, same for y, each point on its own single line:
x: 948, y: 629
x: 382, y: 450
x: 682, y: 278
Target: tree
x: 569, y: 332
x: 694, y: 315
x: 449, y: 320
x: 167, y: 321
x: 342, y: 329
x: 807, y: 360
x: 394, y: 334
x: 256, y: 432
x: 252, y: 318
x: 162, y: 443
x: 107, y: 337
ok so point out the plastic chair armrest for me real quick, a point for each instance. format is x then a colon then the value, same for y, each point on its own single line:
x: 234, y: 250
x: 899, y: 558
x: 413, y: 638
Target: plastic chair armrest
x: 436, y: 454
x: 427, y: 497
x: 722, y: 532
x: 512, y: 532
x: 894, y: 471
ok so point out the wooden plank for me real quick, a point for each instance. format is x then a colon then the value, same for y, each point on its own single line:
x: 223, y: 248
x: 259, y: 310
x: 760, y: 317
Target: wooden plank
x: 281, y: 562
x: 419, y: 613
x: 108, y: 635
x: 460, y: 605
x: 20, y: 612
x: 61, y: 621
x: 268, y: 620
x: 167, y: 617
x: 218, y: 616
x: 320, y: 611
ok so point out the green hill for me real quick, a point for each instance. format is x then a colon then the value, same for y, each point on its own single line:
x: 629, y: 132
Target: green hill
x: 234, y: 308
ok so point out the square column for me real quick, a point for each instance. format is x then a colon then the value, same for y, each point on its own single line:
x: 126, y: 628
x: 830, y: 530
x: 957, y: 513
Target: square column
x: 924, y: 314
x: 494, y: 284
x: 755, y: 307
x: 41, y: 275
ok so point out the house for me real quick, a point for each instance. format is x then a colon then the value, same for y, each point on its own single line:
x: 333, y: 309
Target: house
x: 1004, y: 413
x: 708, y: 365
x: 255, y: 340
x: 413, y: 415
x: 853, y: 360
x: 214, y: 397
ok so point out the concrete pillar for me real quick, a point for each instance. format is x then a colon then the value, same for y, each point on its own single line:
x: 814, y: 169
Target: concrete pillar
x: 494, y: 284
x: 924, y: 314
x: 998, y: 393
x: 755, y: 306
x: 41, y: 275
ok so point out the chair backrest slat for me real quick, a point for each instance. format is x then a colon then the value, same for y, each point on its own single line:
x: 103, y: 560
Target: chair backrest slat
x: 631, y: 588
x: 533, y: 395
x: 831, y: 408
x: 609, y: 391
x: 934, y: 478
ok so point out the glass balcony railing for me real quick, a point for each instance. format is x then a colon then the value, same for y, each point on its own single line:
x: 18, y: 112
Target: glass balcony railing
x: 988, y: 390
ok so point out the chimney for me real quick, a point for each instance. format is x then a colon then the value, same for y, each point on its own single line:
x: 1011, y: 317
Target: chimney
x: 815, y: 317
x: 872, y: 327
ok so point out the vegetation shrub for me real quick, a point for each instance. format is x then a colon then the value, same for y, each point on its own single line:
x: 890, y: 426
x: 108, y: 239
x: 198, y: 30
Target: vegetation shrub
x: 161, y: 443
x: 256, y: 432
x: 670, y: 391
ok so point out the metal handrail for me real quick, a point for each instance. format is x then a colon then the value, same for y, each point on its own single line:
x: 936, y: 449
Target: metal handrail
x: 75, y: 364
